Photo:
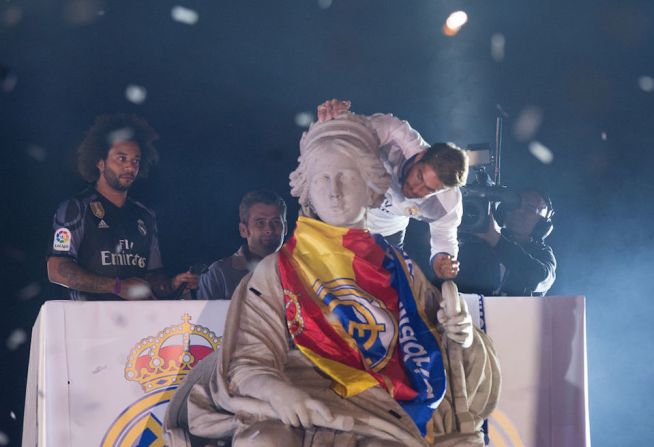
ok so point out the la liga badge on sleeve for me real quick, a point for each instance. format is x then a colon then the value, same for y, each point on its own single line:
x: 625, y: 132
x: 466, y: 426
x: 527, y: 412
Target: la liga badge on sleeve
x: 62, y: 239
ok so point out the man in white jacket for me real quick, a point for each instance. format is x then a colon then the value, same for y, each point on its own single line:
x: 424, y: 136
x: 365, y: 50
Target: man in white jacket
x: 425, y: 186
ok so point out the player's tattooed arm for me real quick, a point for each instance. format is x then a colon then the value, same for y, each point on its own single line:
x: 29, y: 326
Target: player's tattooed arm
x: 65, y: 272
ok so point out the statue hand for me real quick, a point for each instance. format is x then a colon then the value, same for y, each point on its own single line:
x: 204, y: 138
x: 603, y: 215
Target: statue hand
x: 454, y: 316
x: 294, y: 407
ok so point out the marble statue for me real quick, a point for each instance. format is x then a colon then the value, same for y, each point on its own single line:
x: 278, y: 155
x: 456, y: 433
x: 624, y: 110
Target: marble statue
x: 338, y: 339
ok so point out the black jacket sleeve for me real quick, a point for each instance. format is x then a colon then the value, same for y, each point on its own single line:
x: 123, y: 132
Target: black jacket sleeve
x: 531, y: 268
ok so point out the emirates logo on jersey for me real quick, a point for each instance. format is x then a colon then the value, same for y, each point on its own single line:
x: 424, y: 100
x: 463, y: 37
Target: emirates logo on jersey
x: 122, y: 257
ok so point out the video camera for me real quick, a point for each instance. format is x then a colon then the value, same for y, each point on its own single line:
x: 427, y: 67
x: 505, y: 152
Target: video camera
x: 482, y: 191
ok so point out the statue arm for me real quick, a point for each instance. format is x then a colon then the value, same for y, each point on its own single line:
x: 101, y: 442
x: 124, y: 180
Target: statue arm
x: 259, y: 335
x: 256, y: 365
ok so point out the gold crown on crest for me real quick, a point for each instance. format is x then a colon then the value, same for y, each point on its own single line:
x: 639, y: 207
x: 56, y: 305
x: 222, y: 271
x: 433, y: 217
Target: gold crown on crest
x: 163, y: 360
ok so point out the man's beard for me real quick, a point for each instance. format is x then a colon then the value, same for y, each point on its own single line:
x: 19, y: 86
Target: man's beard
x: 270, y: 246
x: 113, y: 180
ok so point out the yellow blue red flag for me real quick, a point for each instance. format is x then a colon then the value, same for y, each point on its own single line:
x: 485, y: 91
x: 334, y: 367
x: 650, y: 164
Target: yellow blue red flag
x: 351, y: 309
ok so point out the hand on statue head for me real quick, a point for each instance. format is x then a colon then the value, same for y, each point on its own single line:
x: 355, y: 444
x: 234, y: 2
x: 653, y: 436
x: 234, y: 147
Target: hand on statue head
x: 454, y: 316
x: 492, y: 234
x: 294, y: 407
x: 445, y: 266
x: 330, y: 109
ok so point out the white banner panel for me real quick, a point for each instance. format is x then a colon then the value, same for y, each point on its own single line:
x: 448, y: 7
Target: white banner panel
x: 541, y: 343
x: 82, y: 390
x: 102, y: 373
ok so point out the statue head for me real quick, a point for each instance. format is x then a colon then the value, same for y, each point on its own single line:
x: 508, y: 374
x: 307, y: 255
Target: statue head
x: 340, y: 174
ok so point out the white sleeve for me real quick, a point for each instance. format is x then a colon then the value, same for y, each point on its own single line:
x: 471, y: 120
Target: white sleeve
x: 443, y: 231
x: 392, y: 130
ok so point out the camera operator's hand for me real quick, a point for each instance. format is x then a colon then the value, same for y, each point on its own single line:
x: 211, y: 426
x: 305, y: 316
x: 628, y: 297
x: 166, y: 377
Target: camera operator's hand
x: 492, y: 234
x: 445, y: 266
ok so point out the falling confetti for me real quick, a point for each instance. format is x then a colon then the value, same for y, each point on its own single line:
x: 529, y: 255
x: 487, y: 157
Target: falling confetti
x: 498, y: 41
x: 81, y: 12
x: 126, y: 133
x: 324, y: 4
x: 139, y: 291
x: 119, y: 320
x: 37, y: 153
x: 304, y: 119
x: 527, y: 123
x: 454, y: 23
x: 12, y: 15
x: 12, y: 415
x: 4, y: 439
x: 646, y: 83
x: 30, y: 291
x: 98, y: 369
x: 135, y: 94
x: 184, y: 15
x: 8, y: 79
x: 541, y: 152
x: 604, y: 136
x: 16, y: 338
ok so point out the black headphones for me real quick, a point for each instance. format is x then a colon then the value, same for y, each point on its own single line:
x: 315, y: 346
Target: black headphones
x: 543, y: 228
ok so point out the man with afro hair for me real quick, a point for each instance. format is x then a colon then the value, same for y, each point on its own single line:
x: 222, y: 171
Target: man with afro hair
x: 105, y: 244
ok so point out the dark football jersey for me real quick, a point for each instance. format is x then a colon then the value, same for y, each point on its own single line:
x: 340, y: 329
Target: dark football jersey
x: 106, y: 240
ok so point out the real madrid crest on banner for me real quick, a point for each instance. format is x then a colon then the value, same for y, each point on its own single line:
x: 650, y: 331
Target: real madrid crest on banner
x: 158, y: 364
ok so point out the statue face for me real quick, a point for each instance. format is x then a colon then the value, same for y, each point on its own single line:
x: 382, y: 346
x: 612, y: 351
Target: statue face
x: 337, y: 192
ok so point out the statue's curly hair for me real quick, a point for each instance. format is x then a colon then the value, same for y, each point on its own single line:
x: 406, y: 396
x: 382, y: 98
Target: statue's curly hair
x: 351, y: 135
x: 104, y: 132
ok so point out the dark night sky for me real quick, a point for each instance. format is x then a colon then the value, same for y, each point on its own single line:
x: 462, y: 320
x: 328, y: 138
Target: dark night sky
x: 224, y: 94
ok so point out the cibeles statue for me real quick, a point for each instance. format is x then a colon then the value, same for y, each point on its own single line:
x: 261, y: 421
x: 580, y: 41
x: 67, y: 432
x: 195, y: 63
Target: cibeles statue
x: 338, y: 339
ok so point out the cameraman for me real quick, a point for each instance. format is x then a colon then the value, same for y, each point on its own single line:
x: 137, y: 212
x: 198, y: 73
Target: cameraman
x: 511, y: 257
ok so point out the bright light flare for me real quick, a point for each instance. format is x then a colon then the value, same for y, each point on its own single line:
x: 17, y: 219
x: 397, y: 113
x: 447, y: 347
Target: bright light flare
x: 454, y: 23
x: 184, y: 15
x: 541, y: 152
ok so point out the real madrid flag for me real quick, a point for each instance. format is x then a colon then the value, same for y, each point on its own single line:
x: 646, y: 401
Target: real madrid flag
x: 351, y: 309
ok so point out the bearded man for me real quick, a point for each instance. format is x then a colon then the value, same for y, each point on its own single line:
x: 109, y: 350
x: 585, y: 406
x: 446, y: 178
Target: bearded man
x: 105, y: 244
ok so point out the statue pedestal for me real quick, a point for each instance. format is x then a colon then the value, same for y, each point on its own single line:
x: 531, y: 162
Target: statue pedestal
x: 79, y: 391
